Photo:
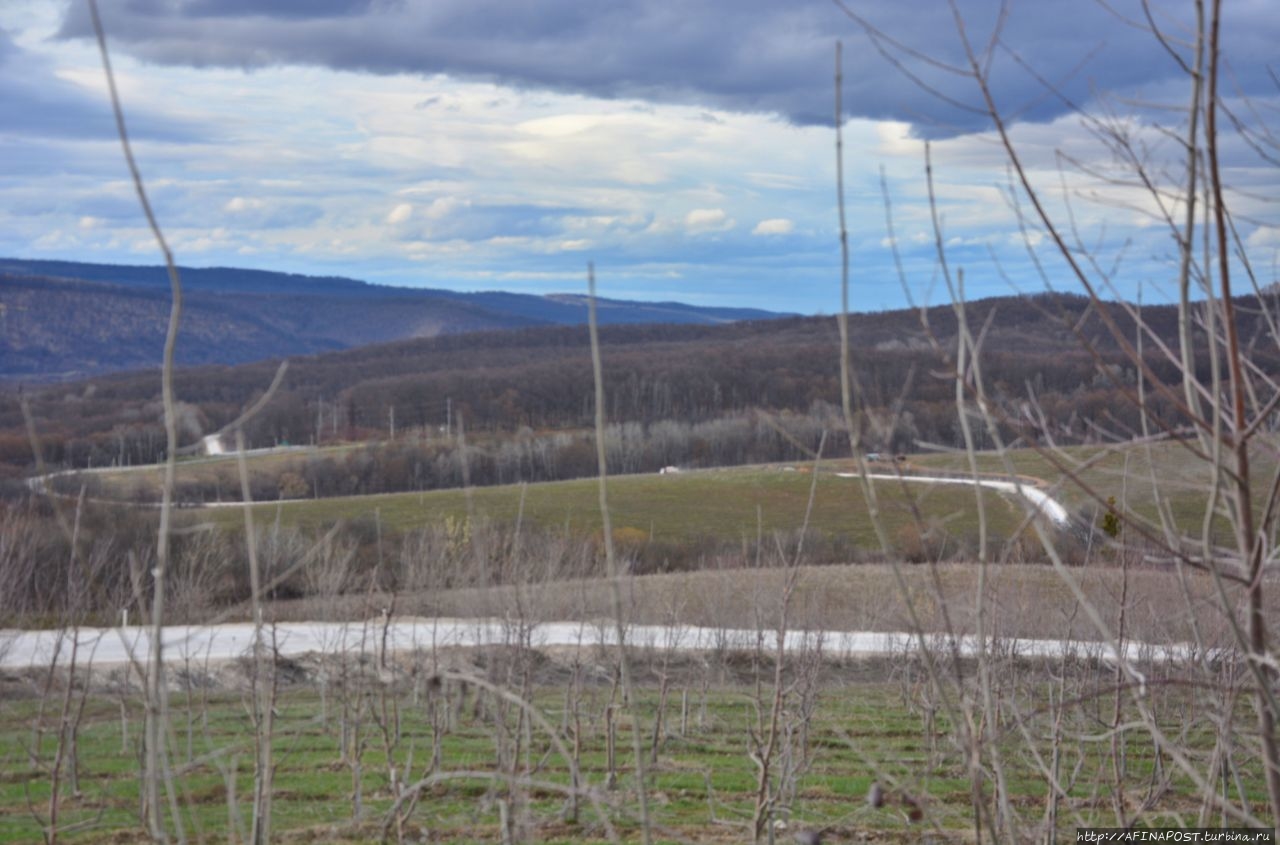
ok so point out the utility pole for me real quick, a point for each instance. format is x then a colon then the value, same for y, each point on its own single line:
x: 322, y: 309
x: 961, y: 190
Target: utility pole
x: 448, y: 417
x: 392, y: 414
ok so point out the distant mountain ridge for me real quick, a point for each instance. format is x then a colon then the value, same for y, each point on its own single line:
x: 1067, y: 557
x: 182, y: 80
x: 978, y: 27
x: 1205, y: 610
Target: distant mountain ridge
x: 61, y: 319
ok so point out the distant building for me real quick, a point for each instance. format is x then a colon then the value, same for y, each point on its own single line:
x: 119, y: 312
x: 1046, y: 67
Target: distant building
x: 212, y: 445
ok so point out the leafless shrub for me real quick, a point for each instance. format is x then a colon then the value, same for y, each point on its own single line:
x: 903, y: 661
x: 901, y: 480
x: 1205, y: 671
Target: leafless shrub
x: 1216, y: 411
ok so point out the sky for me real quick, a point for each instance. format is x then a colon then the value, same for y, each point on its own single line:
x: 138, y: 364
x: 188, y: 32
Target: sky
x: 686, y: 147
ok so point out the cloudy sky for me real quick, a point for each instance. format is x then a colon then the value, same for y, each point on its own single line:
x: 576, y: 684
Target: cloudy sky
x: 684, y: 146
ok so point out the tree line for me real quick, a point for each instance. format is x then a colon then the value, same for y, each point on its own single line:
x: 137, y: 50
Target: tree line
x: 1046, y: 363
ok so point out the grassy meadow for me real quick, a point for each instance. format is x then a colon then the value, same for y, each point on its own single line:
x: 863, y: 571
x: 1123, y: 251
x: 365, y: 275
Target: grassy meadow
x: 727, y: 505
x: 350, y: 733
x: 868, y: 725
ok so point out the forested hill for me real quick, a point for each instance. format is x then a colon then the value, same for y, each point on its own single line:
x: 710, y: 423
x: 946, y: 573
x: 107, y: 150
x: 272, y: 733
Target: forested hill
x: 61, y: 320
x: 1047, y: 360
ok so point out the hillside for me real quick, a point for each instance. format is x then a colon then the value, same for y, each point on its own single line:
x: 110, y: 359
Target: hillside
x: 62, y: 320
x: 1045, y: 350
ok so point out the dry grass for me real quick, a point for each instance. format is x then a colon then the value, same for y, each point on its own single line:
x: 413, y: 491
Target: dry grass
x: 1022, y: 600
x: 145, y: 482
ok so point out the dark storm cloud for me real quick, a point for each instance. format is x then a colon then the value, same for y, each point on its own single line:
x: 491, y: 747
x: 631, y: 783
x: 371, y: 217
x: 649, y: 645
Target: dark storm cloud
x: 745, y: 55
x: 35, y: 102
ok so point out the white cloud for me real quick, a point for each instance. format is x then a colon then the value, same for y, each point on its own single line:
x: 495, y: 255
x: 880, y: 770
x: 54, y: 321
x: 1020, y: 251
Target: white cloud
x: 914, y: 239
x: 346, y: 172
x: 708, y: 220
x: 1264, y: 237
x: 400, y: 213
x: 774, y: 226
x: 235, y: 205
x: 442, y: 207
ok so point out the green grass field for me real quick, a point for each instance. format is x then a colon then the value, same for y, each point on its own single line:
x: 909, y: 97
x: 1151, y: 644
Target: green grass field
x: 700, y: 788
x: 727, y: 505
x: 1144, y: 480
x: 869, y: 724
x: 733, y: 504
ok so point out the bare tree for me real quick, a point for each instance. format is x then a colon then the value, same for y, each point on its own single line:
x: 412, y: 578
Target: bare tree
x: 1216, y: 411
x: 611, y: 563
x: 157, y: 771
